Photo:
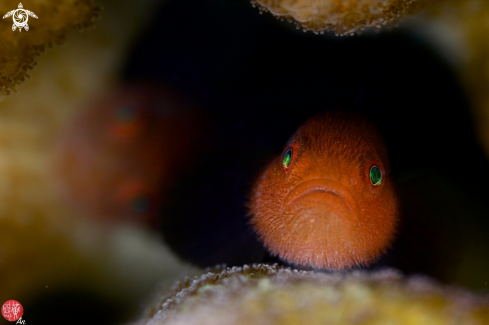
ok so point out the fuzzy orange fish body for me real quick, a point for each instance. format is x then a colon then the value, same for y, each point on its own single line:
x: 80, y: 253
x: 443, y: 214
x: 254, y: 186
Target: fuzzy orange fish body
x: 328, y: 201
x: 121, y: 153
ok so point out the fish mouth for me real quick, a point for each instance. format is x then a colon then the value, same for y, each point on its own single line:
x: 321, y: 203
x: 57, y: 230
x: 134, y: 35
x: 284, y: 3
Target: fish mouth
x: 334, y: 191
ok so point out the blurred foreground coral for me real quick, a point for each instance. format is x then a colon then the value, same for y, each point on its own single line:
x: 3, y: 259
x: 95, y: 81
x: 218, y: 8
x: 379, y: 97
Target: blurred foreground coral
x: 467, y: 24
x: 19, y: 50
x: 46, y: 250
x: 264, y: 294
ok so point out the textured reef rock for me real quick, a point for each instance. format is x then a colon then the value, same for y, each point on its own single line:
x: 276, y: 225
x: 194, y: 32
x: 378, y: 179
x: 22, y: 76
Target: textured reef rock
x: 264, y: 294
x: 344, y: 17
x: 55, y: 20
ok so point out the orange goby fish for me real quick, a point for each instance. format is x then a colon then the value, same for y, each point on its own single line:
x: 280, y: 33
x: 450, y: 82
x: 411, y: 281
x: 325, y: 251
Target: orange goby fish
x: 328, y: 201
x: 122, y: 152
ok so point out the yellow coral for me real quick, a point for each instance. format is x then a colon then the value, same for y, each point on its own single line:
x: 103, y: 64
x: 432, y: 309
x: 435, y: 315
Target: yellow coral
x: 44, y: 248
x: 19, y: 50
x: 460, y: 29
x: 472, y: 20
x: 342, y: 16
x: 263, y: 294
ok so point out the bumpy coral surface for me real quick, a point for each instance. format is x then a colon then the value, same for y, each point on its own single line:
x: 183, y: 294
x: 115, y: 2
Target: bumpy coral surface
x: 263, y: 294
x: 19, y: 49
x: 342, y: 16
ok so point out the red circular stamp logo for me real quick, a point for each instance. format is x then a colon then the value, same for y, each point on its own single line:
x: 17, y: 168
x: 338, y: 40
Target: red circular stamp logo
x: 12, y: 310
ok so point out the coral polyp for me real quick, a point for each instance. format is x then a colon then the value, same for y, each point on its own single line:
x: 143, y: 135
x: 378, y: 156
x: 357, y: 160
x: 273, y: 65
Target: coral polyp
x: 344, y: 17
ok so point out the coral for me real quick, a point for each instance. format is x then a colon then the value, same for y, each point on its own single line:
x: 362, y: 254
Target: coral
x: 44, y: 247
x: 263, y: 294
x: 458, y: 29
x: 472, y: 20
x: 19, y: 50
x: 344, y: 17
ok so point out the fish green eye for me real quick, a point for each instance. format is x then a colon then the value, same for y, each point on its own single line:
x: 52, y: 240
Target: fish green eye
x: 125, y: 114
x: 140, y: 204
x: 375, y: 176
x: 287, y: 157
